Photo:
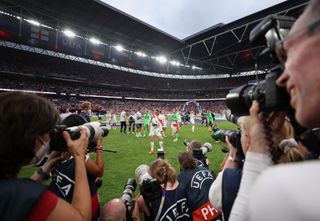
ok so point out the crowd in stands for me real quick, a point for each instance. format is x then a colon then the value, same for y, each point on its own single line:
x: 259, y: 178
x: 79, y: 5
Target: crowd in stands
x: 41, y: 66
x: 118, y: 105
x: 269, y: 173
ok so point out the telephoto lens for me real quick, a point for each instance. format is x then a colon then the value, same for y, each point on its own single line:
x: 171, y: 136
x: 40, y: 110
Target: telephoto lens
x: 142, y: 173
x: 160, y: 154
x: 207, y: 147
x: 186, y: 142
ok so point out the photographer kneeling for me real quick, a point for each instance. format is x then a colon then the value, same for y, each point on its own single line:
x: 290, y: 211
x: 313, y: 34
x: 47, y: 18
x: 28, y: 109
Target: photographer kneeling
x: 172, y: 204
x: 25, y: 124
x: 196, y: 182
x: 195, y: 148
x: 63, y: 176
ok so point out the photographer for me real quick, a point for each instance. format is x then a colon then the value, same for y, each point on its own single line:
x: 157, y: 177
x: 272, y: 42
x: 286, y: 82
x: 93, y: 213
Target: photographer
x: 196, y: 145
x: 224, y: 189
x: 173, y: 203
x: 294, y: 187
x: 25, y: 124
x: 63, y: 175
x: 196, y: 182
x: 114, y: 210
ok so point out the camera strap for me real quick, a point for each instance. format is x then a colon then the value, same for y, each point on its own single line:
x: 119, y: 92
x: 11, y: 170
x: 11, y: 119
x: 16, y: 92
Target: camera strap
x: 161, y: 202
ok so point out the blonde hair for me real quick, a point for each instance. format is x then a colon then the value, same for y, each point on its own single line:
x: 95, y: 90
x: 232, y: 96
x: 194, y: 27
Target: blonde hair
x: 291, y: 156
x: 163, y: 171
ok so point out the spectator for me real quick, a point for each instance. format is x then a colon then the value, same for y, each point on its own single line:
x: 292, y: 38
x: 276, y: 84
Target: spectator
x: 25, y: 124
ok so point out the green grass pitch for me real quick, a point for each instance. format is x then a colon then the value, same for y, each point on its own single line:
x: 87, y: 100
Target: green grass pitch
x: 133, y: 151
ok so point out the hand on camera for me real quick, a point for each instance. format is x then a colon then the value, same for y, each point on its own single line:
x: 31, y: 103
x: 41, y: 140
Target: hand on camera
x: 78, y: 148
x: 232, y: 149
x: 99, y: 141
x: 51, y: 162
x: 257, y: 135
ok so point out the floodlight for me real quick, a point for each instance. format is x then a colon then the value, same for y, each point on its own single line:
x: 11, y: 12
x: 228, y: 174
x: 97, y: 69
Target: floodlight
x: 161, y: 59
x: 140, y: 54
x: 175, y: 63
x: 94, y: 41
x: 33, y: 22
x: 195, y: 67
x: 69, y: 33
x: 119, y: 48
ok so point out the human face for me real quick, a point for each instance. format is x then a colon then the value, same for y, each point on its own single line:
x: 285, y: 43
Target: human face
x: 301, y: 75
x: 42, y: 147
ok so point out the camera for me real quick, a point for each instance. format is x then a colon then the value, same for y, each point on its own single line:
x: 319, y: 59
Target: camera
x: 231, y: 117
x: 271, y: 97
x: 127, y: 196
x: 150, y: 188
x: 199, y: 153
x: 234, y: 137
x: 94, y: 130
x: 186, y: 142
x: 160, y: 154
x: 207, y: 147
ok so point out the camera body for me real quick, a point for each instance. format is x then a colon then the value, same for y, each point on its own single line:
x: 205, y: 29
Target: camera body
x: 234, y: 137
x: 271, y: 97
x: 150, y: 188
x: 94, y: 130
x: 200, y: 153
x: 271, y: 30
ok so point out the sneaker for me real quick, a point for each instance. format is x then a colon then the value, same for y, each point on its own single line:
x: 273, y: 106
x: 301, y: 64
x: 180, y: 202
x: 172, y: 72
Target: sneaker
x: 151, y: 152
x: 175, y: 140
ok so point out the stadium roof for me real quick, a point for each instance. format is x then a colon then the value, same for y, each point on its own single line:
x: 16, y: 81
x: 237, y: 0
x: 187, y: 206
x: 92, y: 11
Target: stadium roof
x: 219, y: 49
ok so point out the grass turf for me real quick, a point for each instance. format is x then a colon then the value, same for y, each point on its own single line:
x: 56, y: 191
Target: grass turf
x: 133, y: 151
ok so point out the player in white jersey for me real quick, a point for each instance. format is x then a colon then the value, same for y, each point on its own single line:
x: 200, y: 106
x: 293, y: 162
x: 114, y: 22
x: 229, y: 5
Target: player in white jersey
x: 163, y: 120
x: 138, y: 117
x: 114, y: 120
x: 192, y: 121
x: 108, y: 118
x: 155, y: 130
